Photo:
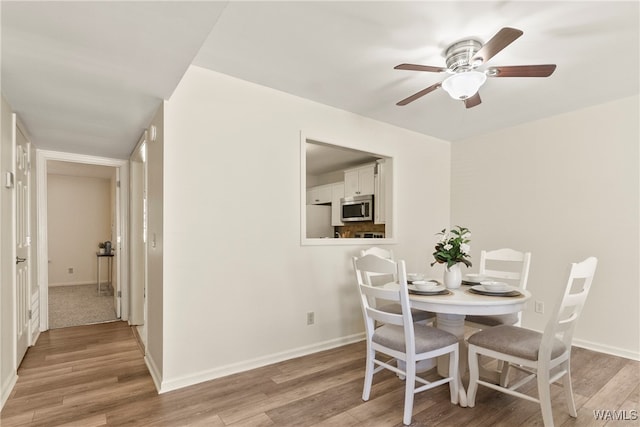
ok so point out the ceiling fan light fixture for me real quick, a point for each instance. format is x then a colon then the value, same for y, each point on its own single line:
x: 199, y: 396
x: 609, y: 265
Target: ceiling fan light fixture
x: 464, y: 85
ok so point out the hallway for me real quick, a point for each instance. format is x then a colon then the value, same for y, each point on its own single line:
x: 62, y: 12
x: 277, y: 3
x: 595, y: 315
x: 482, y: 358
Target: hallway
x: 90, y: 376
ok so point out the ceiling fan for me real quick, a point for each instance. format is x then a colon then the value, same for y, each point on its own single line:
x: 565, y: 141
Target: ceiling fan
x: 464, y: 57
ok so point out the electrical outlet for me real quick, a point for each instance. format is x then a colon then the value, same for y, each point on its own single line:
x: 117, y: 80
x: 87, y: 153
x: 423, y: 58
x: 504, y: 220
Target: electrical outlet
x: 311, y: 318
x: 70, y: 270
x: 539, y: 307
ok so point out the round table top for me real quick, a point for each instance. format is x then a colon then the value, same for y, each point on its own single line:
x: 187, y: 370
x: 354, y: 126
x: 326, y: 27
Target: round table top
x: 462, y: 301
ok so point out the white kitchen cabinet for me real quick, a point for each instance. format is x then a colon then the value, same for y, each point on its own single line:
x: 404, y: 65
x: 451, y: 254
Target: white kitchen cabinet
x: 380, y: 199
x: 337, y: 193
x: 359, y: 181
x: 319, y: 195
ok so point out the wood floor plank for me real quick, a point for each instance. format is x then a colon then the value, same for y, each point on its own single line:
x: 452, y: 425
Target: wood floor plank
x: 617, y: 390
x: 20, y: 419
x: 96, y: 376
x: 93, y: 421
x: 258, y: 420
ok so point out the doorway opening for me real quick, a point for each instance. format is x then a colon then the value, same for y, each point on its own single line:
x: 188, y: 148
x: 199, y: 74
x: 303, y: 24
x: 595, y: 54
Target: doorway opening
x: 83, y: 205
x: 81, y: 208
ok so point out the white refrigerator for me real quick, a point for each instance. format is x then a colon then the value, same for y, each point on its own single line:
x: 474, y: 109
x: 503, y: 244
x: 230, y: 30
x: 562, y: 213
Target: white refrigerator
x: 319, y: 221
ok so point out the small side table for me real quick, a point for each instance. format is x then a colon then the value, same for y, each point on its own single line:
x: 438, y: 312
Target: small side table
x: 109, y: 258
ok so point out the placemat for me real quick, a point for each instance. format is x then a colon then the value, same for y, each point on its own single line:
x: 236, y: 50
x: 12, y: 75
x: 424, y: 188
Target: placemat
x: 430, y: 293
x: 513, y: 293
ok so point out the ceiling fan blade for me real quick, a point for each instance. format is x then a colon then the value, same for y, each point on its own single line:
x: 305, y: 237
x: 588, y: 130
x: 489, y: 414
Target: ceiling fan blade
x: 415, y: 67
x: 502, y: 39
x: 419, y: 94
x: 473, y: 101
x: 522, y: 71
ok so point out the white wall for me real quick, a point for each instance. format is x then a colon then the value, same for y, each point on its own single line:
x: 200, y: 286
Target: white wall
x: 7, y: 258
x: 564, y: 188
x: 79, y: 217
x: 155, y: 280
x: 237, y: 282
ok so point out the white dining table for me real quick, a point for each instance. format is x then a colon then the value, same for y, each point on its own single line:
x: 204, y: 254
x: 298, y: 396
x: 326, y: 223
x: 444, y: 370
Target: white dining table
x: 451, y: 310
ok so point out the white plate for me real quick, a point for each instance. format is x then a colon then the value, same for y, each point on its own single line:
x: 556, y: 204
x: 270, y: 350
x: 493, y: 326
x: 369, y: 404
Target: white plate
x: 475, y: 278
x: 436, y: 288
x: 501, y: 291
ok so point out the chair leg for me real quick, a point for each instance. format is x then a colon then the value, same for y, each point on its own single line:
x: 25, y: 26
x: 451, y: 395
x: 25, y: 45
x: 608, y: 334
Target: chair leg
x: 504, y: 374
x: 544, y: 394
x: 409, y: 390
x: 454, y: 373
x: 568, y: 390
x: 368, y: 374
x: 474, y: 374
x: 401, y: 364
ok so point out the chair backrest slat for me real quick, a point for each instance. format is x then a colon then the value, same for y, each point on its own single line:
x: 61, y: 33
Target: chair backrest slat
x: 507, y: 257
x: 373, y: 278
x: 381, y: 293
x: 564, y: 316
x: 382, y: 253
x: 384, y: 316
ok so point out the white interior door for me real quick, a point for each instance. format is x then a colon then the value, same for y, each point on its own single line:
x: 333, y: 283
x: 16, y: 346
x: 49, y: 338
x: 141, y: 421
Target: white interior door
x: 23, y: 241
x: 117, y: 289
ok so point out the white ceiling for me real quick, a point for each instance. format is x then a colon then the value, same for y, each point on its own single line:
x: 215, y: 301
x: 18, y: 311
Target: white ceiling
x: 85, y: 77
x: 322, y: 158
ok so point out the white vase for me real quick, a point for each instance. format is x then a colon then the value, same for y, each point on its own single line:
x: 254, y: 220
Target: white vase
x: 453, y: 276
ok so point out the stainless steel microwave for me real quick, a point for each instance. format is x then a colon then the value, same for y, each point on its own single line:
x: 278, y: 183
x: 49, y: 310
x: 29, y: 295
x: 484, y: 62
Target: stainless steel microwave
x: 356, y: 208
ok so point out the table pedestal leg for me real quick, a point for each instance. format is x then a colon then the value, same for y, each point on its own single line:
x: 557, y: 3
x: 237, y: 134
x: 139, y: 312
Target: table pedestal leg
x: 454, y: 323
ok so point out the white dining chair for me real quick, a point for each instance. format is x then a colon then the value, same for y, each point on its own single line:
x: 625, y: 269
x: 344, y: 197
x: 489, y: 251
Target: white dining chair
x: 373, y: 278
x: 374, y: 250
x: 545, y: 356
x: 377, y: 278
x: 503, y: 264
x: 398, y: 337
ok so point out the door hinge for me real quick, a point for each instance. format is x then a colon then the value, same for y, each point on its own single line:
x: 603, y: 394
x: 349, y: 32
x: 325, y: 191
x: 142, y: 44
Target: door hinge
x: 119, y: 294
x: 118, y: 184
x: 30, y: 315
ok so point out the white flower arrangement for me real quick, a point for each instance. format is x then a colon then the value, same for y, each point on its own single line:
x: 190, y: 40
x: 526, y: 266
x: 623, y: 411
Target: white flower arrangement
x: 453, y: 247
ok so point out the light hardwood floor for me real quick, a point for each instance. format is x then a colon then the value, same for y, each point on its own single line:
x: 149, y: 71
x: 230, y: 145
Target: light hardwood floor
x: 95, y: 376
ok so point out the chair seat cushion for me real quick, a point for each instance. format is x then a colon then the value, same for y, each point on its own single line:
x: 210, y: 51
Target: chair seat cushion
x: 501, y: 319
x: 514, y: 341
x: 418, y: 315
x: 427, y: 338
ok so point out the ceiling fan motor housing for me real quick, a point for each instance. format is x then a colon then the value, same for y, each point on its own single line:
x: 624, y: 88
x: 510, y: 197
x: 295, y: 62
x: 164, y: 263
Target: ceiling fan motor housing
x: 459, y: 55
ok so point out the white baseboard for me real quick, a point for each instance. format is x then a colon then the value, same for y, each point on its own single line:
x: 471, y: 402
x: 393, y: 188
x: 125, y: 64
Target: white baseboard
x: 34, y: 337
x: 7, y: 387
x: 153, y: 370
x: 223, y: 371
x: 601, y: 348
x: 92, y: 282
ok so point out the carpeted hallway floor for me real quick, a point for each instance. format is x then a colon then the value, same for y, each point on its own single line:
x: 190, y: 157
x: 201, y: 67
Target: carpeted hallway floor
x: 79, y: 305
